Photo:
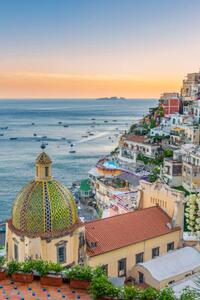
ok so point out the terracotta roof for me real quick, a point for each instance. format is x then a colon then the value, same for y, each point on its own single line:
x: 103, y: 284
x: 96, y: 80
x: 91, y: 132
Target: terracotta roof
x: 136, y: 138
x: 127, y: 229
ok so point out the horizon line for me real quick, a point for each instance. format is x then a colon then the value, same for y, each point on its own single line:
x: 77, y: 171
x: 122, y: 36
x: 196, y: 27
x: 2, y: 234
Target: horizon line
x: 75, y: 98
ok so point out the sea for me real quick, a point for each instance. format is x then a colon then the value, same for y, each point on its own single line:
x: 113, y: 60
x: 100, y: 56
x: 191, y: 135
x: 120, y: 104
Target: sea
x: 26, y: 124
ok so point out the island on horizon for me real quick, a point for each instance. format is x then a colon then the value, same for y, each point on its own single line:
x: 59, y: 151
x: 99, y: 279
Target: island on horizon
x: 111, y: 98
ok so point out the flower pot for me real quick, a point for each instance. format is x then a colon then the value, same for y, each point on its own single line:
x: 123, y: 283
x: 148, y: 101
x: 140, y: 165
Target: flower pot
x: 2, y: 274
x: 22, y: 277
x: 79, y: 284
x: 52, y: 280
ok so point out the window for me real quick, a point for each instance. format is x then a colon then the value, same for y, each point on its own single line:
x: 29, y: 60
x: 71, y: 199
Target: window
x: 170, y: 246
x: 105, y: 269
x: 122, y: 267
x: 61, y: 254
x: 141, y: 277
x: 46, y: 171
x: 16, y: 254
x: 155, y: 252
x: 139, y: 258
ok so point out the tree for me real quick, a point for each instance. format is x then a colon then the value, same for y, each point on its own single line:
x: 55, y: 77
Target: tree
x: 153, y: 123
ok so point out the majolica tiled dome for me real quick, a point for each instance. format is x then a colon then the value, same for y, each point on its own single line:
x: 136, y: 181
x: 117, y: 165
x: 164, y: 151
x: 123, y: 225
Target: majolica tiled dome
x: 44, y: 207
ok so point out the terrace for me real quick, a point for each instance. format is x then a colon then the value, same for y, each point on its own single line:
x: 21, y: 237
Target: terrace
x: 22, y: 291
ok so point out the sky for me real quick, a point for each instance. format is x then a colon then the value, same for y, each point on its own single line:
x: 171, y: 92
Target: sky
x: 96, y: 48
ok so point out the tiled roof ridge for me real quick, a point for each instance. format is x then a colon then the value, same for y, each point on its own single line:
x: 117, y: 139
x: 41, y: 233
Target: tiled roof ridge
x: 130, y: 212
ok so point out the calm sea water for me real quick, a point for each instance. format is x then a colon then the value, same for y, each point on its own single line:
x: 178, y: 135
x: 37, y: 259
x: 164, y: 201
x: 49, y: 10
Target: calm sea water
x: 17, y: 156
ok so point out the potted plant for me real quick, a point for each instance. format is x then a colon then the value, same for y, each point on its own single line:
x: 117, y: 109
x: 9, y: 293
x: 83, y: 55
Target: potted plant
x: 102, y: 288
x: 2, y: 269
x: 80, y: 276
x: 49, y: 273
x: 20, y: 272
x: 130, y: 292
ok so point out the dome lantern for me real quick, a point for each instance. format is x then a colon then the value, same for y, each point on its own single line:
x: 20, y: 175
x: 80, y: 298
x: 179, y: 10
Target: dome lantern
x: 43, y: 167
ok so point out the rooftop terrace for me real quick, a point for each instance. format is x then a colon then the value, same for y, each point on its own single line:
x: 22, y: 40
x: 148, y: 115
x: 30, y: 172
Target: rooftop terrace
x: 18, y: 291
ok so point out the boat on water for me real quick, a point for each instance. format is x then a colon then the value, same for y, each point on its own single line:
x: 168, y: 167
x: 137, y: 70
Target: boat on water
x: 44, y: 137
x: 105, y: 121
x: 4, y: 128
x: 114, y: 120
x: 60, y: 122
x: 1, y: 134
x: 65, y: 125
x: 92, y: 126
x: 32, y: 123
x: 35, y: 134
x: 72, y: 150
x: 93, y: 119
x: 13, y: 138
x: 91, y: 133
x: 84, y: 136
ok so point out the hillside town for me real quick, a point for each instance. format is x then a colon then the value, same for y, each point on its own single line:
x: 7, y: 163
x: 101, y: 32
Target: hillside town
x: 156, y: 165
x: 146, y: 195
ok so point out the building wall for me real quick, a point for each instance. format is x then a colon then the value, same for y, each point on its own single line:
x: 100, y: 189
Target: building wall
x: 170, y: 200
x: 160, y: 284
x: 170, y: 106
x: 45, y: 249
x: 111, y: 258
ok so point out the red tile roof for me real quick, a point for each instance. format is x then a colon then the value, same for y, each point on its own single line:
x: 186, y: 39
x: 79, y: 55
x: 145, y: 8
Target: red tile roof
x: 136, y: 138
x: 127, y: 229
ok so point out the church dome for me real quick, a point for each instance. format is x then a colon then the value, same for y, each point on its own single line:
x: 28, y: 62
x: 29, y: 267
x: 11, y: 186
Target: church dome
x: 44, y: 207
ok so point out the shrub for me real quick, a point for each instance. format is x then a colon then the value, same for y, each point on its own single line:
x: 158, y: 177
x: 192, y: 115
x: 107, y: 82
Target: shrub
x: 2, y: 261
x: 27, y: 266
x: 55, y: 267
x: 166, y: 294
x: 149, y: 294
x: 98, y: 271
x: 130, y: 293
x: 80, y: 272
x: 168, y: 153
x: 102, y: 287
x: 13, y: 267
x: 188, y: 294
x: 42, y: 267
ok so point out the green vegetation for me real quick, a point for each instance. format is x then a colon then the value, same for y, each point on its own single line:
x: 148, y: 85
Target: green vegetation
x: 154, y: 174
x: 168, y: 152
x: 152, y: 123
x: 158, y: 160
x: 13, y: 267
x: 2, y: 261
x: 182, y: 189
x: 115, y: 151
x: 100, y: 285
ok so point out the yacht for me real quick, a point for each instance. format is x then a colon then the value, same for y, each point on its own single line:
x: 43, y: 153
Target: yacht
x: 72, y: 149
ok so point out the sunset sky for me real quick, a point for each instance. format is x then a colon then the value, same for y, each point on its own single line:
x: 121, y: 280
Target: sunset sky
x: 95, y: 48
